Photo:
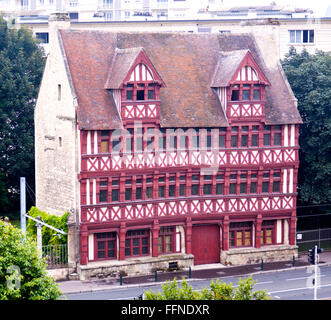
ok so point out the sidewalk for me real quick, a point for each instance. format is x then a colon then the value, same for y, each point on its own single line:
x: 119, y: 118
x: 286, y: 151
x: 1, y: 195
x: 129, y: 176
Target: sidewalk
x: 211, y: 271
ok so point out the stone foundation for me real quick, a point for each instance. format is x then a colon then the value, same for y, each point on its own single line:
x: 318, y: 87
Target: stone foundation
x: 133, y: 266
x: 240, y: 256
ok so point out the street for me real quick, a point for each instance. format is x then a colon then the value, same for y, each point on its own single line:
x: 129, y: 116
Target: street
x: 284, y: 285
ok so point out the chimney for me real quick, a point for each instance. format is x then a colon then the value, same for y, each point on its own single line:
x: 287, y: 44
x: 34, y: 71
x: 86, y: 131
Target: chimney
x: 56, y: 21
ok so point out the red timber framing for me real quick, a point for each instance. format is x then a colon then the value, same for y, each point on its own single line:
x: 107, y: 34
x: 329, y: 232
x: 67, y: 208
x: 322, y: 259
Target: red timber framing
x: 149, y: 191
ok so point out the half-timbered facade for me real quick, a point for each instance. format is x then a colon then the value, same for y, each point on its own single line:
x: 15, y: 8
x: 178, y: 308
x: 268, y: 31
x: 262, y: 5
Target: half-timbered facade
x: 187, y: 151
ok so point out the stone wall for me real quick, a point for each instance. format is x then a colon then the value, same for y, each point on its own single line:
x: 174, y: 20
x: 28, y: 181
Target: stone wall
x: 241, y: 256
x: 55, y: 133
x: 134, y: 266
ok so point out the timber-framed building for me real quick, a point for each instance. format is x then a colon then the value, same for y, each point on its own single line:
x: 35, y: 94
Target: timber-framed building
x: 167, y: 147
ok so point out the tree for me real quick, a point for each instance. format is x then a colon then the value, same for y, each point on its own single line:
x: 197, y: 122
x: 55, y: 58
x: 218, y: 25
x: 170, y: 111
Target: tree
x: 310, y: 79
x: 217, y: 291
x: 21, y: 68
x: 22, y: 272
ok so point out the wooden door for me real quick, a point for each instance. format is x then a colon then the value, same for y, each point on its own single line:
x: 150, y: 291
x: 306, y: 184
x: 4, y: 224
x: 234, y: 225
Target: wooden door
x: 206, y: 244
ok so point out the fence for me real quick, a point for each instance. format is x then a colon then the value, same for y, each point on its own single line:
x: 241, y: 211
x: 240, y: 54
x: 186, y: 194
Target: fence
x: 309, y: 238
x: 56, y: 255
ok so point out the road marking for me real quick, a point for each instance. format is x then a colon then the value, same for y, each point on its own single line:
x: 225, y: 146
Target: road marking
x: 265, y: 282
x: 301, y: 278
x: 295, y: 289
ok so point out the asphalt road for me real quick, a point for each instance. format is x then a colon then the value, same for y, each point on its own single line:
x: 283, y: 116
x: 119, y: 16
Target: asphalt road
x: 284, y: 285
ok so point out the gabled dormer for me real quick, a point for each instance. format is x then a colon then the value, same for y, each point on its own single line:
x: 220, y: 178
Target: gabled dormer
x: 240, y: 84
x: 135, y: 84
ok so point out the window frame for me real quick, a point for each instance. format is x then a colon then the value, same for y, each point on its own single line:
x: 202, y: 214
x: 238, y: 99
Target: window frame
x: 164, y: 232
x: 268, y: 225
x: 132, y: 235
x: 243, y: 227
x: 112, y: 237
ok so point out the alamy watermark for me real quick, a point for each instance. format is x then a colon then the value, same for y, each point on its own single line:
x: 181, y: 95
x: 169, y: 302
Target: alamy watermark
x: 14, y: 279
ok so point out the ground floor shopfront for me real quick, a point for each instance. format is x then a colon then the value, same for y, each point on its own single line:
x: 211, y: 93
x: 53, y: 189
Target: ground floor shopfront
x: 156, y: 244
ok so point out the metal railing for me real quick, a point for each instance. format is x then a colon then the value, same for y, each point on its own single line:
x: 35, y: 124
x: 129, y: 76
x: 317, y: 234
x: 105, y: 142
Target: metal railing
x: 56, y: 255
x: 309, y: 238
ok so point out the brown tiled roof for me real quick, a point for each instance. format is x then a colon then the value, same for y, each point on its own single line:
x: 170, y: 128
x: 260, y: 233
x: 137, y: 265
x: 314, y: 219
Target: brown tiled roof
x: 227, y: 65
x: 122, y: 62
x: 185, y: 62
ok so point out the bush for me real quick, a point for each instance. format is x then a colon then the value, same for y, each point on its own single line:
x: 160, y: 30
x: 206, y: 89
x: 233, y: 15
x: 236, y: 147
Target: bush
x: 22, y: 274
x: 49, y: 236
x: 217, y: 291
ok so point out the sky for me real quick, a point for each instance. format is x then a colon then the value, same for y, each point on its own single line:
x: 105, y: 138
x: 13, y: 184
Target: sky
x: 318, y: 6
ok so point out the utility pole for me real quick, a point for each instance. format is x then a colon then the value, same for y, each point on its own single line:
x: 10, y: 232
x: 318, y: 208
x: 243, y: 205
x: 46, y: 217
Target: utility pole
x: 39, y: 237
x: 316, y: 276
x: 23, y: 205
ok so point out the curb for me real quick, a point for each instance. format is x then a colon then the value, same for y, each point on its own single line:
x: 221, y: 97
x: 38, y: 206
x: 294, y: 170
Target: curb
x: 144, y: 284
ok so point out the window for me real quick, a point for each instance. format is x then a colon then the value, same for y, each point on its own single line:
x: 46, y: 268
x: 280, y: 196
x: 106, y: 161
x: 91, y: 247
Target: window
x: 265, y: 182
x: 244, y: 136
x: 241, y: 234
x: 243, y: 182
x: 141, y: 91
x: 195, y: 139
x: 268, y: 232
x: 208, y: 144
x: 235, y: 93
x: 277, y: 135
x: 276, y: 181
x: 253, y: 182
x: 219, y: 183
x: 139, y: 139
x: 151, y: 91
x: 59, y: 93
x: 256, y: 92
x: 266, y: 136
x: 183, y: 139
x: 115, y: 137
x: 301, y: 36
x: 42, y: 37
x: 150, y: 139
x: 167, y: 240
x: 207, y: 189
x: 221, y: 137
x: 104, y: 141
x: 137, y: 243
x: 245, y: 92
x: 105, y: 245
x: 162, y: 139
x: 255, y: 136
x: 149, y: 188
x: 138, y: 188
x: 172, y: 186
x: 115, y: 190
x: 233, y: 184
x: 107, y: 4
x: 234, y: 137
x: 73, y: 15
x: 129, y: 140
x: 103, y: 190
x: 172, y: 139
x: 182, y: 186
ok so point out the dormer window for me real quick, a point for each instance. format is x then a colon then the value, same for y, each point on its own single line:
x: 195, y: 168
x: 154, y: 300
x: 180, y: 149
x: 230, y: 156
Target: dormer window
x: 141, y: 91
x: 246, y: 92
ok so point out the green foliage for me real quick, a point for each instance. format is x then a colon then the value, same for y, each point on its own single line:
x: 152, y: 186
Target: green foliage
x: 21, y: 68
x: 22, y: 274
x: 310, y: 79
x: 217, y: 291
x: 49, y: 236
